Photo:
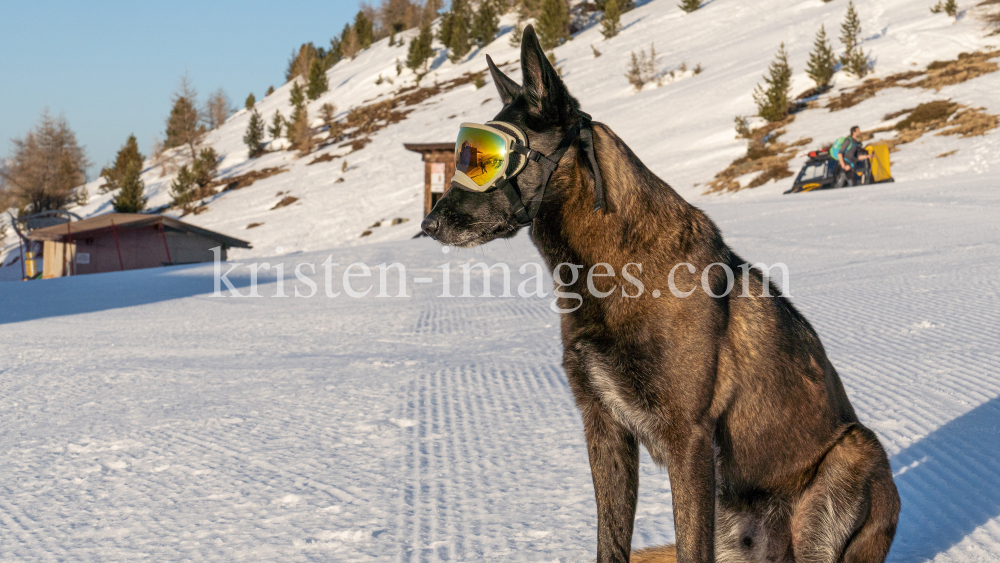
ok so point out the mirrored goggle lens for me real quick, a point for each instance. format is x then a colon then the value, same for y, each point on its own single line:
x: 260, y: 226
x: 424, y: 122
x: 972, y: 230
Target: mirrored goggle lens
x: 480, y: 154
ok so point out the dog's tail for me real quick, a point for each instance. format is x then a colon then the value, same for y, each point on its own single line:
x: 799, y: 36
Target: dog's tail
x: 658, y: 554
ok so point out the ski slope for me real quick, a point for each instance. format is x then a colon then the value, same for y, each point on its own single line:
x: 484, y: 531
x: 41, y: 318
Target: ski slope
x: 682, y: 130
x: 145, y: 419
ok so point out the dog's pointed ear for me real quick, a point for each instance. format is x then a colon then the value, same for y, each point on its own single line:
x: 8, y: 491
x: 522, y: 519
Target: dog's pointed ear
x: 507, y: 88
x: 547, y: 96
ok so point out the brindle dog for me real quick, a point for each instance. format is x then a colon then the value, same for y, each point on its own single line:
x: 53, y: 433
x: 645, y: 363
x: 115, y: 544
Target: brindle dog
x: 734, y: 395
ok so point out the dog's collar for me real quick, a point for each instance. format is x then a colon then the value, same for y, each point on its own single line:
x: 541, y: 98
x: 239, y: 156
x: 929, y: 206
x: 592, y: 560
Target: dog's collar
x: 583, y: 130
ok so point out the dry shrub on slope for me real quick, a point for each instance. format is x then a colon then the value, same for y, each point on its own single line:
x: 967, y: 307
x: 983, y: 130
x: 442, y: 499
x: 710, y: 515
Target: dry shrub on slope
x: 937, y: 75
x: 765, y: 155
x: 966, y: 67
x: 285, y: 201
x: 327, y: 157
x: 944, y: 116
x: 363, y: 121
x: 971, y: 122
x: 869, y: 88
x: 244, y: 180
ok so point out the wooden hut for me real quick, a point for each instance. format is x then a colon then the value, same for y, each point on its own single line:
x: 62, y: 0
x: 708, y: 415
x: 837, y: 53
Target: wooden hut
x: 126, y: 241
x: 439, y: 167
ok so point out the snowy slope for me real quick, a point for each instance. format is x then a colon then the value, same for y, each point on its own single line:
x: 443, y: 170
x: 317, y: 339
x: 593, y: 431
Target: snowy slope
x: 682, y: 130
x: 143, y: 418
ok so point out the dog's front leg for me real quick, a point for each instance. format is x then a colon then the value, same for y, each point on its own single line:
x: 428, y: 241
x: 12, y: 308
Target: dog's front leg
x: 692, y: 484
x: 614, y: 465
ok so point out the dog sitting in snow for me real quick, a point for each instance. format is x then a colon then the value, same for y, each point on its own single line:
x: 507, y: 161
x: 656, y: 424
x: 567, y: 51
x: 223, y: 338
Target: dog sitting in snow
x: 734, y: 395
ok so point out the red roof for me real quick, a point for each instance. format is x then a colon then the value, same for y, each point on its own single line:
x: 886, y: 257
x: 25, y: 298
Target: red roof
x: 85, y: 227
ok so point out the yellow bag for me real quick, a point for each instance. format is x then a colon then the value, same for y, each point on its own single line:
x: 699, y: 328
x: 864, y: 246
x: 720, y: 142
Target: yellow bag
x: 880, y: 162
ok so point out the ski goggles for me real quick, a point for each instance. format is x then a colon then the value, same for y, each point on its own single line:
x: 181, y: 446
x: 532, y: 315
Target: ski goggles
x: 486, y: 154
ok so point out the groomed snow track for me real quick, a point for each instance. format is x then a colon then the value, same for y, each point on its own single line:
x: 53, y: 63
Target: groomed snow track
x: 144, y: 419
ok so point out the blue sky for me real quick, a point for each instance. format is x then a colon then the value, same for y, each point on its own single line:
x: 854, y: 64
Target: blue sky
x: 111, y: 67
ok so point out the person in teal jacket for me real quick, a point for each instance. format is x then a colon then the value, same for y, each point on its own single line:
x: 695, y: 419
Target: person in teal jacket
x: 851, y: 157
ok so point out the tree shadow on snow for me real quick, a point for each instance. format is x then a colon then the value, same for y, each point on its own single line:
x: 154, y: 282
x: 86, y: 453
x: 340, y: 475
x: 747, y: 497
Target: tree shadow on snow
x: 631, y: 24
x: 949, y: 483
x: 442, y: 56
x: 39, y: 299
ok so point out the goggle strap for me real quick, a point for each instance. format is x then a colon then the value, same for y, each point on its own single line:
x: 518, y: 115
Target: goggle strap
x: 549, y: 165
x: 526, y: 152
x: 507, y: 187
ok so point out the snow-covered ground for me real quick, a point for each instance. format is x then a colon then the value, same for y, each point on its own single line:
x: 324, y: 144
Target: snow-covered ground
x: 145, y: 419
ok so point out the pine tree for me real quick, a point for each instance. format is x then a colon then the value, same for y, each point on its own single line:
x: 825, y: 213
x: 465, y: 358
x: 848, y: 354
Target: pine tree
x: 277, y: 125
x: 444, y: 30
x: 516, y: 33
x: 298, y: 132
x: 486, y: 24
x: 459, y: 22
x: 822, y: 61
x: 130, y: 197
x: 182, y: 125
x: 690, y: 5
x: 297, y: 96
x: 182, y: 188
x: 191, y: 181
x: 254, y: 136
x: 461, y: 44
x: 364, y: 30
x: 205, y: 167
x: 270, y: 90
x: 327, y: 112
x: 529, y: 8
x: 420, y: 48
x: 553, y: 24
x: 634, y: 73
x: 773, y: 101
x: 127, y: 156
x: 949, y: 7
x: 250, y: 101
x: 855, y: 60
x: 612, y: 14
x: 335, y: 54
x: 317, y: 80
